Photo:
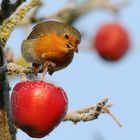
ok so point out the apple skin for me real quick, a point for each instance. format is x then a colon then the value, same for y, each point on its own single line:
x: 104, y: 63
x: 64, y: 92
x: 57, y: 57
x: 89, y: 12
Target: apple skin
x: 111, y: 41
x: 37, y: 107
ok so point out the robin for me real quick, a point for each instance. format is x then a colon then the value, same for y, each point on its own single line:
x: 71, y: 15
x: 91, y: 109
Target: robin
x: 51, y: 46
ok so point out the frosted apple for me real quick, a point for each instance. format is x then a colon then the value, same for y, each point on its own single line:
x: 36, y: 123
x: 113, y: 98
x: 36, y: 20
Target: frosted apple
x: 37, y: 107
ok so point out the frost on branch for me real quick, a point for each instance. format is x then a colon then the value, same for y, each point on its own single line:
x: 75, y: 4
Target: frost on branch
x: 91, y: 113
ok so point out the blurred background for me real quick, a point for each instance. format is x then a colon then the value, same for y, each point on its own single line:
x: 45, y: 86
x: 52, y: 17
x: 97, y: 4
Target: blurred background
x: 89, y: 78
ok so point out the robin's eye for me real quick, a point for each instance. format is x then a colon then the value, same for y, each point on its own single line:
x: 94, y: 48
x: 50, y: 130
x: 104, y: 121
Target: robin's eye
x: 68, y: 46
x: 66, y: 36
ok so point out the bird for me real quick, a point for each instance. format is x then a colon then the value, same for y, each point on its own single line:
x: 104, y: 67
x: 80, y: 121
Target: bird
x: 51, y: 46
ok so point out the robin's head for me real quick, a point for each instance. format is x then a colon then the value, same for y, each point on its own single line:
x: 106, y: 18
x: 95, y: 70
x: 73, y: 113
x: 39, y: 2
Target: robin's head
x: 72, y: 37
x: 68, y: 33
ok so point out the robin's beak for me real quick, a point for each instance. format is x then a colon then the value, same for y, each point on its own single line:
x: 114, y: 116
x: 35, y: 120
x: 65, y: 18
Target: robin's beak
x: 76, y: 49
x: 73, y: 47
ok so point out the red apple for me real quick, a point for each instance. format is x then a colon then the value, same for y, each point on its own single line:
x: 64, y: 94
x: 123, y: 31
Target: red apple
x: 111, y: 41
x: 37, y: 107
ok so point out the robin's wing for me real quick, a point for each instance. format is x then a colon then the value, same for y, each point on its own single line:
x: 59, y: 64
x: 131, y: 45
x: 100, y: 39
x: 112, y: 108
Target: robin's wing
x: 38, y: 30
x: 43, y: 28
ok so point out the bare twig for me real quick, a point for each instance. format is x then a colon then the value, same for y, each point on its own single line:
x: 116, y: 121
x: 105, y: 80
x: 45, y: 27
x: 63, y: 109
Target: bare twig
x: 106, y: 110
x: 91, y: 113
x: 87, y: 115
x: 71, y: 12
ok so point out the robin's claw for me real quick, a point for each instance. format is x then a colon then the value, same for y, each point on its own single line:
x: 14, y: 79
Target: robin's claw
x: 51, y: 66
x: 34, y: 70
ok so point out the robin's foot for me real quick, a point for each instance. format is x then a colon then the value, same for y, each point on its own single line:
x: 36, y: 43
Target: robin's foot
x: 43, y: 68
x: 51, y: 66
x: 34, y: 70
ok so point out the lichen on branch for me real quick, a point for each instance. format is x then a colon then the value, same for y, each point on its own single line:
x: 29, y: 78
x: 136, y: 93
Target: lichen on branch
x: 8, y: 25
x: 8, y: 8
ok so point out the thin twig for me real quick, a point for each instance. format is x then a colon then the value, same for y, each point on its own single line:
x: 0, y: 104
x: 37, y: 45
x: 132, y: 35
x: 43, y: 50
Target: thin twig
x: 106, y: 110
x: 91, y: 113
x: 71, y: 12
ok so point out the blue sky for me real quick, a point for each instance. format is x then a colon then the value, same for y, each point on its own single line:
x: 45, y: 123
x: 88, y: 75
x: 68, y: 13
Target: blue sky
x: 88, y: 79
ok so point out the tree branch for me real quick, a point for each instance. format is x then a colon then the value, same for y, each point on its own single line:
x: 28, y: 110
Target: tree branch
x: 86, y: 114
x: 7, y: 9
x: 91, y: 113
x: 9, y: 24
x: 7, y: 130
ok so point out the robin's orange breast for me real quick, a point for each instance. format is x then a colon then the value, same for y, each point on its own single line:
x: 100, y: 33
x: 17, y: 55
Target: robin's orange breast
x: 51, y: 47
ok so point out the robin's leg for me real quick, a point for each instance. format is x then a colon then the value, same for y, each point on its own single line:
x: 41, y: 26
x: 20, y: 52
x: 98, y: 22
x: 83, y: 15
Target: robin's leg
x: 47, y: 66
x: 43, y: 68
